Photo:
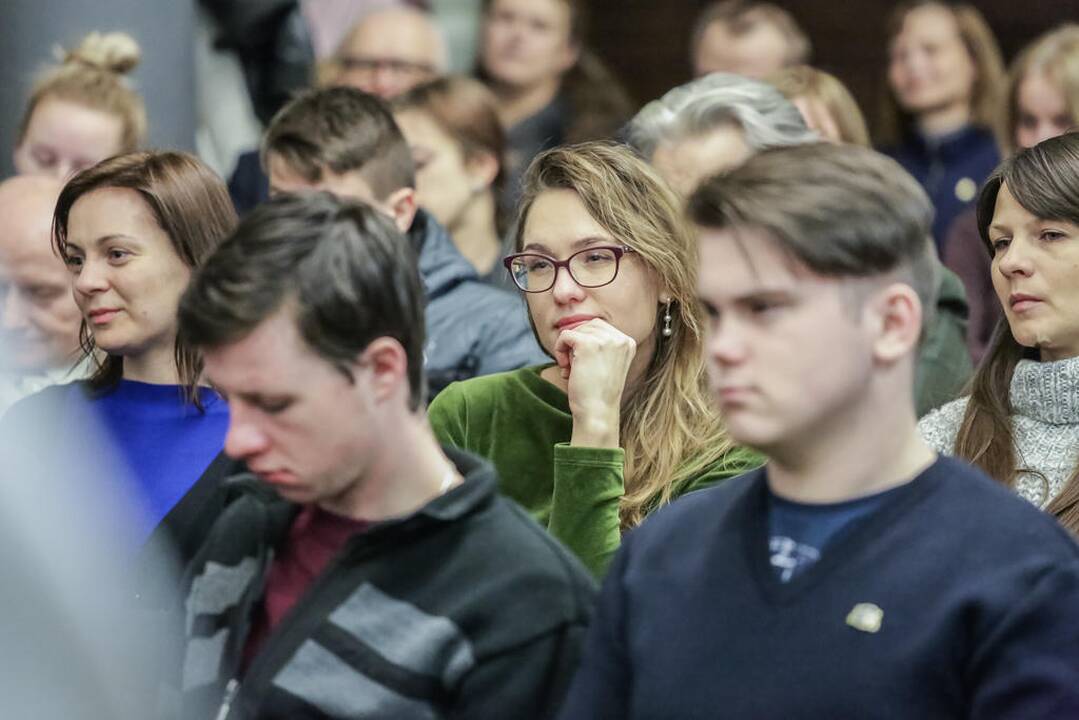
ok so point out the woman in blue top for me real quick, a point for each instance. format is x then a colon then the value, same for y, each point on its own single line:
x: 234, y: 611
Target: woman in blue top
x: 944, y: 74
x: 131, y: 229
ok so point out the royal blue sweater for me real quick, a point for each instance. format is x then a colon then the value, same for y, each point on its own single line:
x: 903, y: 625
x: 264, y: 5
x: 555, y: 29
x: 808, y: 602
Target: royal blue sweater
x: 161, y: 443
x: 955, y: 599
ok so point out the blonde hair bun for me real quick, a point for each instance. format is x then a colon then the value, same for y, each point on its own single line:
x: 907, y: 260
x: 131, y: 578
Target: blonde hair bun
x: 115, y: 52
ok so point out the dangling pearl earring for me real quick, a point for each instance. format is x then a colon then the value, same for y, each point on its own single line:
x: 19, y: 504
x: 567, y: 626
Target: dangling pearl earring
x: 667, y: 329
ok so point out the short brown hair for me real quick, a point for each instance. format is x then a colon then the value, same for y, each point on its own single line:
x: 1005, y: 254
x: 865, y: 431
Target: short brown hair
x: 841, y: 210
x: 341, y: 129
x: 92, y: 75
x: 190, y: 203
x: 739, y: 16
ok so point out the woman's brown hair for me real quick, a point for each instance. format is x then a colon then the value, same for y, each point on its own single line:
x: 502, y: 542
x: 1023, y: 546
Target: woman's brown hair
x: 803, y: 81
x: 190, y: 203
x: 466, y: 111
x: 92, y: 75
x: 1044, y: 180
x: 984, y: 52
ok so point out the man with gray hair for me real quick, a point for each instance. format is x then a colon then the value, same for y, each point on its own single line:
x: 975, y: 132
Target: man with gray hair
x: 714, y: 124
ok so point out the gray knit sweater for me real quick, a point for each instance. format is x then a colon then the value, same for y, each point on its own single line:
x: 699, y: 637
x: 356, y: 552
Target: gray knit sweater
x: 1045, y: 421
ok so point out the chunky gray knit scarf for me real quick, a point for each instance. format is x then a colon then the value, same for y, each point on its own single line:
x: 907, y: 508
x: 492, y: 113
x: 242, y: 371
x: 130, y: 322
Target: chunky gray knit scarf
x: 1045, y: 421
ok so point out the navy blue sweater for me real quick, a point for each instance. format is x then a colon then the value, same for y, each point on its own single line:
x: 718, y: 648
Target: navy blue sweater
x: 976, y: 593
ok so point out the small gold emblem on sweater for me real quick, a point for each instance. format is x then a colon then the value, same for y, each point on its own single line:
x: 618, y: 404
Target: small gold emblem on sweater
x: 866, y: 617
x: 966, y: 189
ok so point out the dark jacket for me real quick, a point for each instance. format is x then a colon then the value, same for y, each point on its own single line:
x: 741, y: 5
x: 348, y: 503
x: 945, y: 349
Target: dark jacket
x: 951, y: 169
x: 465, y: 609
x: 944, y: 365
x: 975, y: 591
x: 965, y: 254
x: 472, y: 328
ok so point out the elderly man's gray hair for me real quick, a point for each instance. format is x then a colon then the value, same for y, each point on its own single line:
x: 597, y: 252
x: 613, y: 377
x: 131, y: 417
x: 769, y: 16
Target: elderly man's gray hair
x: 765, y: 117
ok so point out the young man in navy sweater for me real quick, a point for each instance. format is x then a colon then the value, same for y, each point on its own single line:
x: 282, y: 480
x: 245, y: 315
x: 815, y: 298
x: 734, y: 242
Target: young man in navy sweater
x: 856, y: 575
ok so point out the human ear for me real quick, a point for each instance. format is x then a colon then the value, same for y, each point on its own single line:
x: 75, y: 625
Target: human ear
x: 401, y: 204
x: 896, y: 313
x: 386, y: 363
x: 482, y: 168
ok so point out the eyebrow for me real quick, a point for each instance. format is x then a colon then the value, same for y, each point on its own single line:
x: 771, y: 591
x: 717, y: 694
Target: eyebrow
x: 102, y: 240
x: 575, y: 245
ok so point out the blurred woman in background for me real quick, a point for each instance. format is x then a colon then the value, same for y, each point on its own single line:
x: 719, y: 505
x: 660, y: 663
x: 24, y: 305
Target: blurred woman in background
x: 825, y: 103
x: 551, y: 89
x: 83, y: 110
x: 458, y: 145
x: 944, y: 75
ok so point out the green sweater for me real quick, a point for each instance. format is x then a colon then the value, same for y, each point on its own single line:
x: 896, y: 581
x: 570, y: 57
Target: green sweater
x: 522, y: 424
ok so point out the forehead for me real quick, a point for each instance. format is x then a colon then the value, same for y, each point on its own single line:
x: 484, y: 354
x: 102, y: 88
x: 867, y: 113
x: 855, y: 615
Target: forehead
x: 395, y: 35
x: 738, y: 261
x: 273, y: 355
x: 58, y: 120
x: 283, y: 179
x: 558, y: 218
x: 552, y: 11
x: 110, y: 210
x: 929, y: 22
x: 1037, y: 88
x: 684, y: 162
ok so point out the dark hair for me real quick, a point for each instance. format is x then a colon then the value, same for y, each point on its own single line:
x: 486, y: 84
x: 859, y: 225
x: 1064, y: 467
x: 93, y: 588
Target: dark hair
x: 341, y: 129
x: 1044, y: 180
x: 466, y: 111
x: 190, y: 203
x: 346, y: 271
x: 840, y: 210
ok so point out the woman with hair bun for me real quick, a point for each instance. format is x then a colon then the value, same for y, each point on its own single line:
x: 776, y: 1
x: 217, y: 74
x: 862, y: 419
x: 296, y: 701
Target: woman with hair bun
x: 83, y: 110
x: 621, y: 422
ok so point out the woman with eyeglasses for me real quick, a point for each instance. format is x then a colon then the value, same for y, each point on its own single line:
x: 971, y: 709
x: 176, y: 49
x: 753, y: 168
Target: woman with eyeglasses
x: 620, y: 423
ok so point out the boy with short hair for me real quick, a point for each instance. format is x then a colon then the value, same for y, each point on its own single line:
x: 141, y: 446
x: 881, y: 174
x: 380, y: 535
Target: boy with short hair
x: 857, y: 574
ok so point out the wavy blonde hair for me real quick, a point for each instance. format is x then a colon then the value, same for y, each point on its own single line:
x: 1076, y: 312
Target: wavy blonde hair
x: 92, y: 75
x: 670, y: 431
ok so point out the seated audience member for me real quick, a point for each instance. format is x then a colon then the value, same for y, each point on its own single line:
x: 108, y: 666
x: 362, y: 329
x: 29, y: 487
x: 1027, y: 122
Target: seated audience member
x: 458, y: 147
x: 856, y: 574
x: 39, y: 325
x: 944, y: 74
x: 82, y: 111
x: 713, y: 124
x: 131, y: 229
x: 1041, y: 100
x: 825, y: 103
x: 369, y: 573
x: 619, y: 424
x: 752, y: 39
x: 345, y: 141
x: 551, y: 89
x: 387, y: 52
x: 1020, y: 422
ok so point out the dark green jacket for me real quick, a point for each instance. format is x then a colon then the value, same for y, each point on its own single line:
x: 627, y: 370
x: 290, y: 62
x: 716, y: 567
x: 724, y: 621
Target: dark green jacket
x: 944, y: 365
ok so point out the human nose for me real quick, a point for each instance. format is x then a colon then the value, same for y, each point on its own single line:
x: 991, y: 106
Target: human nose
x: 725, y: 342
x: 14, y: 310
x: 565, y: 288
x: 91, y: 278
x: 1015, y: 259
x: 244, y: 438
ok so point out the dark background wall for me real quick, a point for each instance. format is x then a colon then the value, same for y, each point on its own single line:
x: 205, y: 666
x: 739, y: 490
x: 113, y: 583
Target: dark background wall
x: 646, y: 41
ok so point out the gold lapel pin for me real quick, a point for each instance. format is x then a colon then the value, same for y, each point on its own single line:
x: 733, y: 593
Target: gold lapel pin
x: 866, y: 617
